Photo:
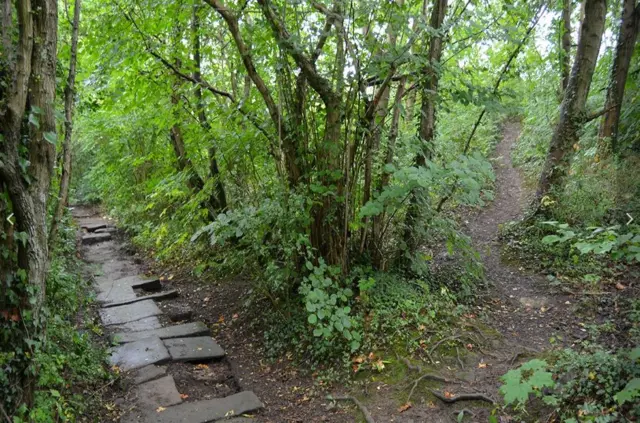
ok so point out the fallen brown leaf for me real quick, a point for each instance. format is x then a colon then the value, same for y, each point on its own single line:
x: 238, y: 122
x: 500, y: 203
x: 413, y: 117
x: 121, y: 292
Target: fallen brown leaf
x: 404, y: 407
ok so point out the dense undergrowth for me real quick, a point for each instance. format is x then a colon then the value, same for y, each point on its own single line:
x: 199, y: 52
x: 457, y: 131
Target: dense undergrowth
x: 67, y: 364
x: 313, y: 310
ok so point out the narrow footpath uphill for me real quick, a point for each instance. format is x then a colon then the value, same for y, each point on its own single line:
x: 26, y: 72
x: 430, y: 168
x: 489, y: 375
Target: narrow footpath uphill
x: 515, y: 320
x: 523, y: 308
x: 156, y: 346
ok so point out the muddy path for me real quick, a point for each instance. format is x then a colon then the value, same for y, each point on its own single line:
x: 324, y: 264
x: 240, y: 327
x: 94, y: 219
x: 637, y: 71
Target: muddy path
x: 518, y: 317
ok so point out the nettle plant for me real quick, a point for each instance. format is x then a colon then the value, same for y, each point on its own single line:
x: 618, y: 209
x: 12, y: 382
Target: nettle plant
x: 619, y: 243
x: 327, y: 304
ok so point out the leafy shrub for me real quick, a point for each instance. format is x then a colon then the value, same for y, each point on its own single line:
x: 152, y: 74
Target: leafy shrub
x: 595, y: 385
x: 60, y: 364
x: 328, y: 304
x: 599, y: 241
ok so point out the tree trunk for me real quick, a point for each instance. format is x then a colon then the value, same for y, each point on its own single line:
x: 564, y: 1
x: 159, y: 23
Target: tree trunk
x: 378, y: 221
x: 69, y: 105
x: 218, y: 199
x: 426, y: 130
x: 30, y: 90
x: 627, y: 36
x: 565, y: 53
x: 573, y: 104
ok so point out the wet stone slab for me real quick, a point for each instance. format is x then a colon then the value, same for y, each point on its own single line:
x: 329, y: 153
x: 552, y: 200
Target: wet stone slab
x: 210, y: 410
x: 158, y: 393
x: 147, y: 373
x: 129, y: 312
x: 164, y: 295
x: 92, y: 227
x: 95, y: 238
x: 201, y: 348
x: 141, y: 282
x: 178, y: 331
x: 116, y: 293
x: 140, y: 353
x: 148, y: 323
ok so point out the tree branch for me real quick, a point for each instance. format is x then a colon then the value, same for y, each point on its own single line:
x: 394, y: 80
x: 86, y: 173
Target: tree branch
x: 319, y: 83
x: 591, y: 116
x: 190, y: 78
x: 247, y: 60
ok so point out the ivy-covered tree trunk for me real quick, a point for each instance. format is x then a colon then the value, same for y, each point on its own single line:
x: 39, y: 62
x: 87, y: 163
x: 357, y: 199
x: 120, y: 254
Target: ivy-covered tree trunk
x: 627, y: 35
x: 69, y: 105
x: 565, y: 52
x: 27, y: 155
x: 572, y: 109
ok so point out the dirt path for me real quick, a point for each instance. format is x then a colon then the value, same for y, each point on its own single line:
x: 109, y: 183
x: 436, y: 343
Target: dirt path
x: 517, y: 319
x: 523, y: 309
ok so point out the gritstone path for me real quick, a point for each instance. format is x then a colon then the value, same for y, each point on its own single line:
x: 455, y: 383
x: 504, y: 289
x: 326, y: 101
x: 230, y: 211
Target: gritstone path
x: 153, y: 342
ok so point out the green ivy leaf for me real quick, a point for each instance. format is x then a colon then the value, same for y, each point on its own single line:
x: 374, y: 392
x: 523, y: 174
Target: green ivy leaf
x: 51, y: 137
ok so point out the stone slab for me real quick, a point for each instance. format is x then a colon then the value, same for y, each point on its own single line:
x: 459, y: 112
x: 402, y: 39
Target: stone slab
x: 201, y: 348
x: 106, y: 230
x: 158, y: 393
x: 210, y: 410
x: 92, y: 227
x: 164, y: 295
x: 178, y: 331
x: 142, y: 282
x: 140, y: 353
x: 95, y: 238
x: 147, y: 373
x: 116, y: 294
x: 148, y: 323
x: 129, y: 312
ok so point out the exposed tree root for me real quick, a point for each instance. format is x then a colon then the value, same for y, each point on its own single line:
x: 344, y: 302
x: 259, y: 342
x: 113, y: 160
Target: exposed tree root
x: 459, y: 359
x: 363, y: 409
x: 413, y: 367
x: 462, y: 397
x: 437, y: 344
x: 426, y: 376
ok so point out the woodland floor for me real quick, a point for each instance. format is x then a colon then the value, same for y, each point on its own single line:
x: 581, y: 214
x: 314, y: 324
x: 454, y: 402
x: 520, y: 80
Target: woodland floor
x: 516, y: 319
